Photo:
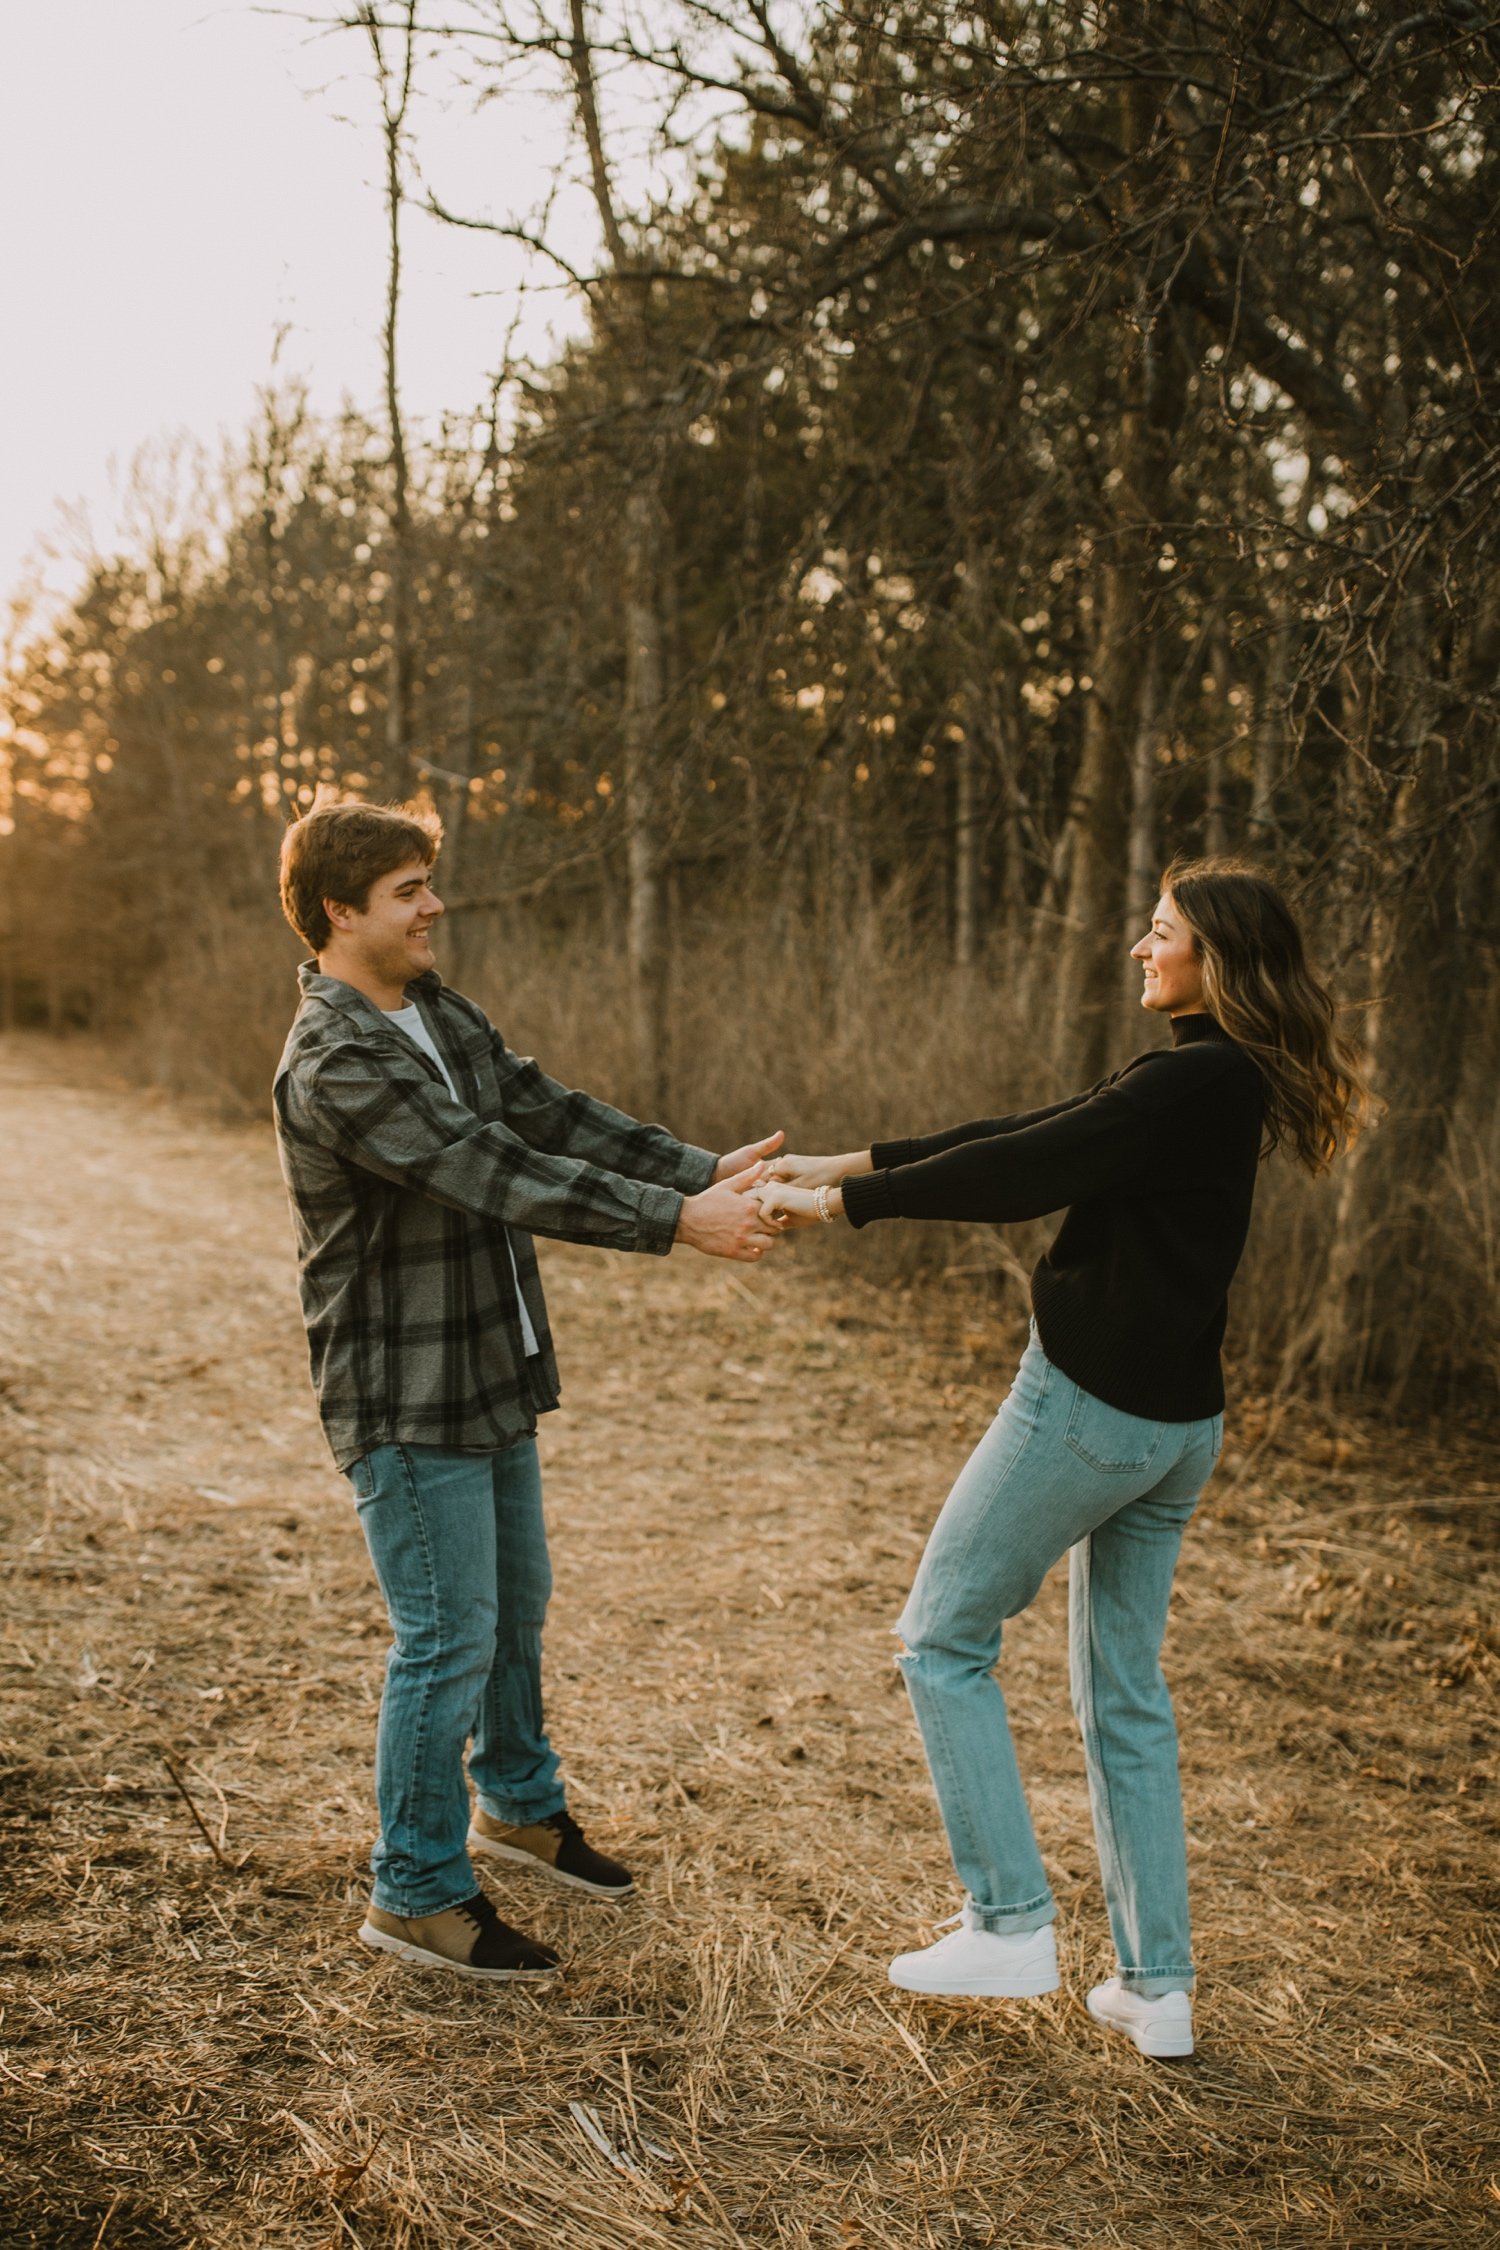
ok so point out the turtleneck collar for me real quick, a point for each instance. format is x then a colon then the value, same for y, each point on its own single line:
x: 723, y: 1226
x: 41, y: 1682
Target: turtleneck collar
x: 1187, y: 1031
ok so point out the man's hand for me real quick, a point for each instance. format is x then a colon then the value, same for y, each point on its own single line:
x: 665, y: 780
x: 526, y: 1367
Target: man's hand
x: 740, y: 1159
x: 820, y: 1171
x: 725, y: 1221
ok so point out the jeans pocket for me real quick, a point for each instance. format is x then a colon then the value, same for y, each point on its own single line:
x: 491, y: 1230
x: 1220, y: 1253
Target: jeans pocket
x: 360, y: 1477
x: 1107, y: 1438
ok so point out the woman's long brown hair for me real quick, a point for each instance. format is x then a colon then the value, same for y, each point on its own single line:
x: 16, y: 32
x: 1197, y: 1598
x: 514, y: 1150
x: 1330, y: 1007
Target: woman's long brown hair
x: 1257, y: 983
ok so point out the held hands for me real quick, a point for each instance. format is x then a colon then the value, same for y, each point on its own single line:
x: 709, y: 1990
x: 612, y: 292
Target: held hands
x: 756, y: 1194
x: 725, y: 1221
x: 789, y: 1197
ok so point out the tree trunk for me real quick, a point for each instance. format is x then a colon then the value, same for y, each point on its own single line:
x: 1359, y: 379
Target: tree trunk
x: 1146, y: 438
x: 1270, y: 754
x: 395, y: 99
x: 1142, y: 861
x: 1215, y: 820
x: 1370, y: 1324
x: 1115, y: 790
x: 1013, y: 862
x: 626, y: 309
x: 966, y: 853
x: 977, y: 702
x: 1096, y: 816
x: 644, y: 663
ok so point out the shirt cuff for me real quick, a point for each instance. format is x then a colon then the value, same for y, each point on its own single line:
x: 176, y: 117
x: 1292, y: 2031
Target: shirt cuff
x: 868, y: 1196
x: 656, y: 1229
x: 886, y: 1155
x: 695, y: 1170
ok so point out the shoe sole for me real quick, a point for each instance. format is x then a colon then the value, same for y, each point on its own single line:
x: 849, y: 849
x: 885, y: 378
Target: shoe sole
x: 492, y: 1850
x: 1023, y: 1984
x: 381, y: 1941
x: 1157, y: 2046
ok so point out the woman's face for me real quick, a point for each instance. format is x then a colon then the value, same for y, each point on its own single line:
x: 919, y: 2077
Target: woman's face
x: 1173, y: 971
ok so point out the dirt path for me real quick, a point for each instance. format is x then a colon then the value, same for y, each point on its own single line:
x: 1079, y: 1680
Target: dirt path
x: 195, y: 2050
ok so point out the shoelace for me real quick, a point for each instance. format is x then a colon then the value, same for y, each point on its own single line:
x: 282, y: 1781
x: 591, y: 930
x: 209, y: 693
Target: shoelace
x: 480, y: 1911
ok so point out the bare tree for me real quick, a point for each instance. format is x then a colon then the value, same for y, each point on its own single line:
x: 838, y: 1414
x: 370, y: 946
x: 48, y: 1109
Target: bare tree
x: 624, y: 304
x: 924, y: 508
x: 393, y: 49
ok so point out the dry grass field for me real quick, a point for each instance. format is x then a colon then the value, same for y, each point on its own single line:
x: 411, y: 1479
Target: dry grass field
x: 195, y: 2051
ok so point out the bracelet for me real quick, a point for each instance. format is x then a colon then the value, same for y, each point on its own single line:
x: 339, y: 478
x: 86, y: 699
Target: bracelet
x: 821, y: 1199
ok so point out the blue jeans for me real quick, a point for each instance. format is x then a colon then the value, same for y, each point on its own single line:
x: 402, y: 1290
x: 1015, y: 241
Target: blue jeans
x: 1056, y: 1470
x: 460, y: 1549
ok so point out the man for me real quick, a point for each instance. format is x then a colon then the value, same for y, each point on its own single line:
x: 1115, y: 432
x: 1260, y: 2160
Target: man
x: 421, y: 1156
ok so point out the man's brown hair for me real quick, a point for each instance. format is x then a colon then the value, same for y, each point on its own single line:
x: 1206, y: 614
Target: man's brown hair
x: 338, y: 851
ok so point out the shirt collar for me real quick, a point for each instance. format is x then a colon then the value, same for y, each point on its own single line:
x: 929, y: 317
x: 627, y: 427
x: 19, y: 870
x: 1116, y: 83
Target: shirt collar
x: 1191, y: 1031
x: 334, y: 993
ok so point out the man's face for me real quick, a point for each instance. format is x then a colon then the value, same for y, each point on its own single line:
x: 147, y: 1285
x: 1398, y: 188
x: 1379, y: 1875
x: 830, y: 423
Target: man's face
x: 392, y: 935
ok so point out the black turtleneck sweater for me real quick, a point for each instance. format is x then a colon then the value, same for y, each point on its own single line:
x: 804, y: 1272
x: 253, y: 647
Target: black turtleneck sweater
x: 1156, y: 1166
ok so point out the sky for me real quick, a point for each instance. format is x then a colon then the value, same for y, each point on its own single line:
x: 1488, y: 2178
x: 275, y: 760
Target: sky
x: 183, y: 182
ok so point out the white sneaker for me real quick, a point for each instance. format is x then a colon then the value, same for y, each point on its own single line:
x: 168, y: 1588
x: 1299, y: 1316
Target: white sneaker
x: 1160, y: 2027
x: 981, y: 1963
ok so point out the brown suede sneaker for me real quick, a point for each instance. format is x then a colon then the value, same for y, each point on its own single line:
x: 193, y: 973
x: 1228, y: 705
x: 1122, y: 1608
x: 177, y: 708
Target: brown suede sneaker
x: 556, y: 1846
x: 468, y: 1940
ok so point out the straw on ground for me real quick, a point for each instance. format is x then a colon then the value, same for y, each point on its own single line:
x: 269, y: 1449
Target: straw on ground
x: 196, y: 2051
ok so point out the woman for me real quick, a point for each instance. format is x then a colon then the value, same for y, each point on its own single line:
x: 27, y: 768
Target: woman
x: 1113, y: 1424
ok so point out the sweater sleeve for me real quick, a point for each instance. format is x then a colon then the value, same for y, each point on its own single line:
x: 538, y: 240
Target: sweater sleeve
x: 1121, y: 1136
x: 886, y: 1155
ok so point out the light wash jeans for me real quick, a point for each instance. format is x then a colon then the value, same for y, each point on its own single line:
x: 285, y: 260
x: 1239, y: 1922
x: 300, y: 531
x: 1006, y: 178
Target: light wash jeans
x: 460, y: 1549
x: 1056, y: 1470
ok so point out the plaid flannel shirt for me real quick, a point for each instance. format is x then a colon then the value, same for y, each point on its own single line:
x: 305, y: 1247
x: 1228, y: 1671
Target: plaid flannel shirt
x: 402, y: 1198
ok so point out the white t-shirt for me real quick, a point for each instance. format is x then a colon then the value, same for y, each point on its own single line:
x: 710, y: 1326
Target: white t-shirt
x: 410, y: 1021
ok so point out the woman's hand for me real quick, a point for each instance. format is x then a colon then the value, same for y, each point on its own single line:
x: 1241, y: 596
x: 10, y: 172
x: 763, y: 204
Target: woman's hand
x: 784, y: 1204
x: 819, y: 1171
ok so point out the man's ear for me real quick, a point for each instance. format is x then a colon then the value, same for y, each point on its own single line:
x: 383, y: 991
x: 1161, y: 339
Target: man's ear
x: 340, y: 916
